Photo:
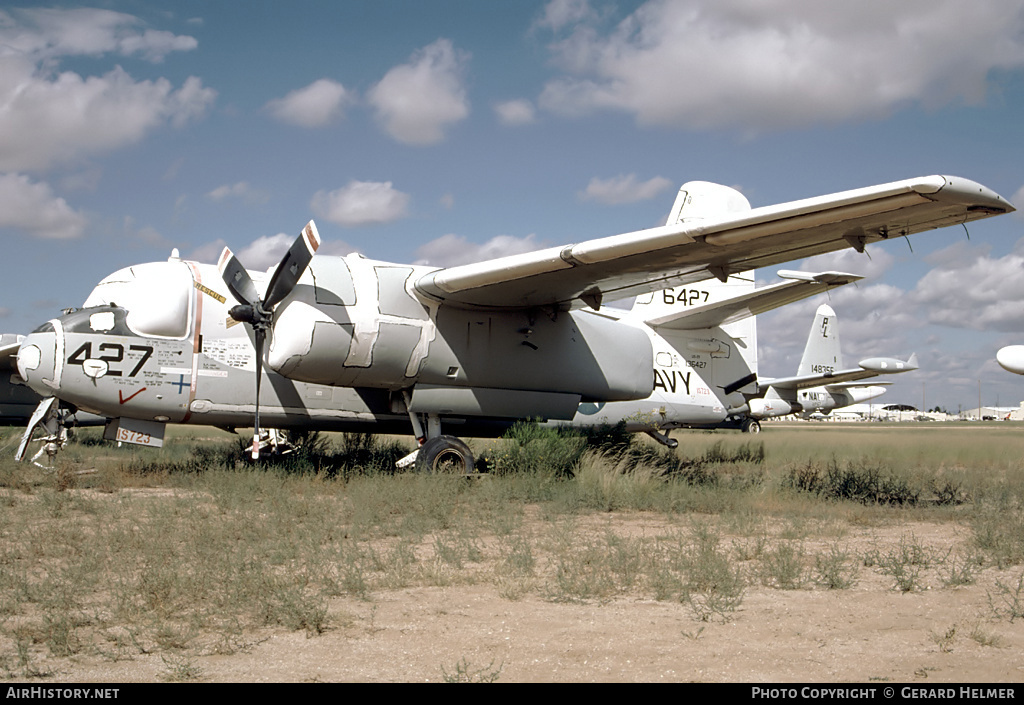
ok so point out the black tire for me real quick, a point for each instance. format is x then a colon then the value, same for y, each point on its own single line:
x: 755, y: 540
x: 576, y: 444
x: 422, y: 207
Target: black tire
x: 445, y: 454
x: 751, y: 426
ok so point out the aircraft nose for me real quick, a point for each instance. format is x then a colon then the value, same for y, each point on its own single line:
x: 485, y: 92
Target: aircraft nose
x: 39, y: 358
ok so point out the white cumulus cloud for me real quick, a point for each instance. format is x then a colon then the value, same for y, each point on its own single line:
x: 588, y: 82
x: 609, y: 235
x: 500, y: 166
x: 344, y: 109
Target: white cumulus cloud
x: 624, y: 189
x: 770, y: 65
x: 971, y: 289
x: 33, y: 208
x: 452, y: 250
x: 47, y: 32
x: 516, y: 112
x: 241, y: 190
x: 560, y: 13
x: 318, y: 104
x: 52, y: 117
x: 416, y: 101
x: 361, y: 203
x: 264, y: 252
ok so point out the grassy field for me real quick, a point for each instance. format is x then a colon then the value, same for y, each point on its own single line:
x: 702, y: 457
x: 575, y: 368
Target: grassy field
x: 120, y: 552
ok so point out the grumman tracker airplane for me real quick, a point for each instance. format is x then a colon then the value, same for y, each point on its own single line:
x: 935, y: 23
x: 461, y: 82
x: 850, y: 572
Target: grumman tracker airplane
x: 355, y: 344
x: 710, y: 313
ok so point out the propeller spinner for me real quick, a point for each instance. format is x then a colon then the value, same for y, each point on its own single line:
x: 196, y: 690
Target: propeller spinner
x: 259, y: 313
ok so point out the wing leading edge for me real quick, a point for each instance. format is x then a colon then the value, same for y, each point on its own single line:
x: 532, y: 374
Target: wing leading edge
x: 646, y: 260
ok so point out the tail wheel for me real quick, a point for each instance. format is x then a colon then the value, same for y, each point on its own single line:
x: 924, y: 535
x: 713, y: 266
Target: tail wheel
x: 751, y: 426
x: 445, y: 454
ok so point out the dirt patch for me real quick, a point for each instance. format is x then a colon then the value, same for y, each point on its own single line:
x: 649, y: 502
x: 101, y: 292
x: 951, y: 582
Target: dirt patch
x: 871, y: 631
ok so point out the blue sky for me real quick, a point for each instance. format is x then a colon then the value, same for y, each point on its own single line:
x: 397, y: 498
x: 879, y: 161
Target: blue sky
x: 450, y: 131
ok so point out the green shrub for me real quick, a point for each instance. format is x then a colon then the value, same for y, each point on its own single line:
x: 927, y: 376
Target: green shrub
x: 857, y: 481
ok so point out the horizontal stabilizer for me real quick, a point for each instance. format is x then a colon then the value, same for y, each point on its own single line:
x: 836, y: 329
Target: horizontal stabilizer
x: 801, y: 286
x: 871, y: 367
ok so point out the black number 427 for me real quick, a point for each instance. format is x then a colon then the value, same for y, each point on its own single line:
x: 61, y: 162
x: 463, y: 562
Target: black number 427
x: 112, y: 353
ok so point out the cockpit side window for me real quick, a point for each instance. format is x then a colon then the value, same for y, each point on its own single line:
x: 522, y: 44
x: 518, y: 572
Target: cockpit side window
x: 157, y: 296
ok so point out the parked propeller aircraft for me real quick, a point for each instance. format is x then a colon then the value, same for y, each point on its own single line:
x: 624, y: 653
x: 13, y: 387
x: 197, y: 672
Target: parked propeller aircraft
x: 683, y: 319
x: 820, y: 385
x: 356, y: 344
x: 675, y: 320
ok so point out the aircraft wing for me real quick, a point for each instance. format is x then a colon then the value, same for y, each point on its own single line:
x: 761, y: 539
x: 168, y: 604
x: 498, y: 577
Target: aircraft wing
x: 616, y: 267
x: 871, y: 367
x: 9, y: 344
x: 801, y: 286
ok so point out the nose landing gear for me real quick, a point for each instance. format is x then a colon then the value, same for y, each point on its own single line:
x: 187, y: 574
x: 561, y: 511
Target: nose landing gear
x: 54, y: 422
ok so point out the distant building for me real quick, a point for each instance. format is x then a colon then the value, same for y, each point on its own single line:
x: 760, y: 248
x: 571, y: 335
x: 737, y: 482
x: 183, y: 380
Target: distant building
x: 995, y: 413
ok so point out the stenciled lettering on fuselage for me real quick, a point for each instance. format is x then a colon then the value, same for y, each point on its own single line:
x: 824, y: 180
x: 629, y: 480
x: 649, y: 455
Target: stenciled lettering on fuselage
x: 685, y: 297
x: 822, y: 369
x: 139, y: 372
x: 671, y: 380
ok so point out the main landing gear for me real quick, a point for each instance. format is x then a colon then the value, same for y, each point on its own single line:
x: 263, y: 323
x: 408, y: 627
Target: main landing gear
x: 437, y: 453
x: 750, y: 426
x: 445, y: 454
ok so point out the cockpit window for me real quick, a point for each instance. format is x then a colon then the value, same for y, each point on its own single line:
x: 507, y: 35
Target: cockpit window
x: 157, y: 296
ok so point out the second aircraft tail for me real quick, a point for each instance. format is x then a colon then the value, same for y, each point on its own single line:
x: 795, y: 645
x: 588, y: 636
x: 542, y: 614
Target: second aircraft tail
x: 822, y: 354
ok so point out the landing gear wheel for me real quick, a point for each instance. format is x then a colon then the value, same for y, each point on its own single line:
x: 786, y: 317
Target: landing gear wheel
x: 751, y: 426
x: 445, y: 454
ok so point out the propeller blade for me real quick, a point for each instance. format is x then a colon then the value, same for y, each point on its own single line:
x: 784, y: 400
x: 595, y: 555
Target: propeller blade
x: 288, y: 273
x: 238, y: 280
x: 259, y: 314
x: 261, y: 339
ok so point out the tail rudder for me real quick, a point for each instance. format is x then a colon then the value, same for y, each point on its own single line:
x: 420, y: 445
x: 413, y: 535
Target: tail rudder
x: 695, y: 202
x: 822, y: 353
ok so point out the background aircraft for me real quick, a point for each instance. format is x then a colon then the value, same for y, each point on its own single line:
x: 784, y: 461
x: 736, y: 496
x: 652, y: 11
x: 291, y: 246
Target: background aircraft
x: 820, y: 385
x: 353, y: 343
x: 1012, y: 358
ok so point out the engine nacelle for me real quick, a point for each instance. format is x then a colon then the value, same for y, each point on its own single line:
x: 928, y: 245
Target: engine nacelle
x: 364, y: 329
x: 768, y: 408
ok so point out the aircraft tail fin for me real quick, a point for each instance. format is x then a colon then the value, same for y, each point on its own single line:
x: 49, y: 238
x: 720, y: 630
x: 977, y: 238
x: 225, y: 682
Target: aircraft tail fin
x: 822, y: 352
x: 696, y: 201
x: 701, y: 200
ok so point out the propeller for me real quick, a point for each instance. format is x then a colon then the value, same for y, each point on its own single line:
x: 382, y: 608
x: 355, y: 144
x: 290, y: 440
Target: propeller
x: 259, y: 313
